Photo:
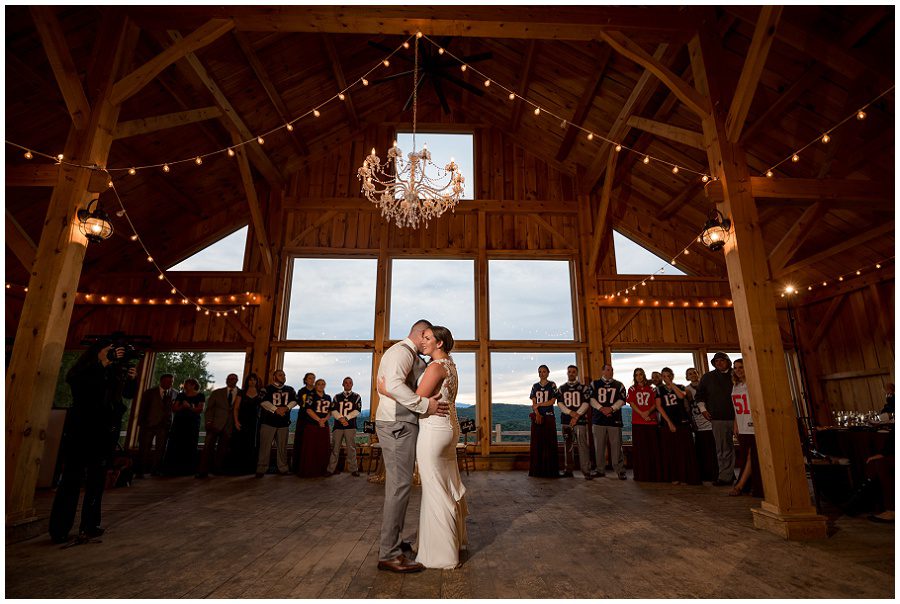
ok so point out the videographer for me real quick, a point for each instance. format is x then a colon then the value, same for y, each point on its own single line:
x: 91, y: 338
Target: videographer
x: 100, y: 378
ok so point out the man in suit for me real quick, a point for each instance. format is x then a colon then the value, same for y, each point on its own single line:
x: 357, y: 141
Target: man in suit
x: 154, y: 421
x: 397, y: 426
x: 219, y: 425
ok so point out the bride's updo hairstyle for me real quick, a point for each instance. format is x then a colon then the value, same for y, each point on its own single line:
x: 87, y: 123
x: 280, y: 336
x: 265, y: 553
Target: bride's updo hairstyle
x: 442, y: 334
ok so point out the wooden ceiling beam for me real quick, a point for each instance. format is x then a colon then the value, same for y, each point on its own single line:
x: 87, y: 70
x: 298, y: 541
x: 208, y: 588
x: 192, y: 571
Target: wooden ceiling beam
x: 686, y: 93
x: 613, y: 332
x: 335, y: 61
x: 675, y: 204
x: 525, y: 81
x: 882, y: 230
x: 32, y: 175
x: 359, y: 204
x: 874, y: 192
x: 585, y: 103
x: 256, y: 217
x: 156, y: 123
x: 205, y: 34
x: 763, y: 35
x: 684, y: 136
x: 600, y: 223
x: 790, y: 243
x: 232, y: 119
x: 21, y: 244
x: 525, y: 22
x: 825, y: 323
x: 274, y: 97
x: 54, y: 41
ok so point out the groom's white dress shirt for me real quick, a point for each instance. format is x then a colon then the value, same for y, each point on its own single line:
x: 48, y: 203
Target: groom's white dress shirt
x: 401, y: 368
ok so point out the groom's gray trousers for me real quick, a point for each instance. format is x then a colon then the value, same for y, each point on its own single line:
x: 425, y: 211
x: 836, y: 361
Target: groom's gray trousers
x: 398, y: 451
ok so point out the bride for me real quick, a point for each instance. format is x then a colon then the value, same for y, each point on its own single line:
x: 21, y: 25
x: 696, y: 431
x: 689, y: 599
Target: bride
x: 442, y: 517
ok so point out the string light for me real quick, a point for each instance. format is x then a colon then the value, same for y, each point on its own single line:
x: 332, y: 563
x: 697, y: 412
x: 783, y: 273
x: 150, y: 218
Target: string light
x: 60, y: 157
x: 28, y: 155
x: 512, y: 96
x: 825, y: 138
x: 165, y: 168
x: 860, y: 115
x: 289, y: 127
x: 260, y: 140
x: 646, y: 159
x: 487, y: 83
x: 795, y: 158
x: 132, y: 171
x: 537, y: 110
x: 365, y: 82
x: 674, y: 169
x: 463, y: 67
x: 618, y: 148
x: 341, y: 95
x: 386, y: 63
x: 769, y: 174
x: 198, y: 160
x: 316, y: 113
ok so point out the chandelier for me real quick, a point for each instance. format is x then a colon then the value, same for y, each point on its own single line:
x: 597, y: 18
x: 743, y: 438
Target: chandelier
x: 402, y: 189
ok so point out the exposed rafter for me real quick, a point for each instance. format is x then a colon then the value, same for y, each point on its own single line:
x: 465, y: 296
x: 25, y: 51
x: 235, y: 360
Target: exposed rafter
x: 585, y: 102
x: 21, y: 244
x: 839, y: 248
x: 335, y: 61
x: 524, y: 83
x: 161, y: 122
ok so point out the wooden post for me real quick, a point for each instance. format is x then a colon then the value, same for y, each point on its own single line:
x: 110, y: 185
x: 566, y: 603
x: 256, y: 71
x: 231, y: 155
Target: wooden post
x: 482, y: 334
x: 47, y: 311
x: 593, y: 331
x: 382, y: 320
x: 787, y: 510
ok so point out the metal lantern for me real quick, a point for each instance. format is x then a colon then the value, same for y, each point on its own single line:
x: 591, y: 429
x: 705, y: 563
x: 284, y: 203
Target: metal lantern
x: 94, y: 223
x: 716, y: 231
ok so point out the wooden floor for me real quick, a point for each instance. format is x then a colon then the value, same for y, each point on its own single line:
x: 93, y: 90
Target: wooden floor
x: 529, y: 538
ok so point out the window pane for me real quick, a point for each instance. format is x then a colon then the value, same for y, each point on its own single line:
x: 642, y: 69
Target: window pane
x: 443, y: 147
x: 624, y: 364
x: 530, y: 300
x: 634, y: 259
x: 332, y: 367
x: 442, y: 291
x: 226, y: 254
x: 512, y: 375
x: 332, y: 299
x: 465, y: 396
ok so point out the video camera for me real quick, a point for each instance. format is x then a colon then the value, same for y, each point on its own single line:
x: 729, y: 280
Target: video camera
x: 134, y: 347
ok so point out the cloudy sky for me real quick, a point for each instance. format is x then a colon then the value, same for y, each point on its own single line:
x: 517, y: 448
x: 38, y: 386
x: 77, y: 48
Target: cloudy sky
x: 334, y: 299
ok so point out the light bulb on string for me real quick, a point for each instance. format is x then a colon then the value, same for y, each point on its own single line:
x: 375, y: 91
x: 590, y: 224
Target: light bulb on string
x: 618, y: 148
x: 463, y: 67
x: 231, y: 152
x: 60, y: 157
x: 674, y: 169
x: 646, y: 159
x: 859, y: 272
x: 590, y: 136
x: 160, y: 276
x: 260, y: 140
x: 860, y: 115
x: 165, y: 168
x: 109, y: 184
x: 386, y: 63
x: 132, y: 171
x: 878, y: 266
x: 365, y: 82
x: 406, y: 45
x: 704, y: 178
x: 537, y: 110
x: 198, y: 160
x: 134, y: 237
x: 795, y: 158
x: 173, y: 290
x: 769, y: 174
x: 512, y: 96
x: 316, y: 113
x: 825, y: 138
x: 440, y: 51
x: 487, y: 83
x: 149, y: 258
x: 28, y: 155
x: 341, y: 96
x: 289, y: 127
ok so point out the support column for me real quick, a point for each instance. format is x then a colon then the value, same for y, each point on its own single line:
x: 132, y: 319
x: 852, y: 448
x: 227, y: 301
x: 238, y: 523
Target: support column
x: 382, y: 320
x: 482, y: 320
x: 787, y: 509
x: 593, y: 331
x: 44, y: 323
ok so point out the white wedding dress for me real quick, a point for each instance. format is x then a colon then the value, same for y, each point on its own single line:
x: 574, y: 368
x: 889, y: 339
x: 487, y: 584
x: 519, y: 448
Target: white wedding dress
x: 442, y: 518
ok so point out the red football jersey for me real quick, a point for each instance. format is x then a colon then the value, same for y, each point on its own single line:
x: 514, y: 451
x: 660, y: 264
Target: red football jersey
x: 644, y: 398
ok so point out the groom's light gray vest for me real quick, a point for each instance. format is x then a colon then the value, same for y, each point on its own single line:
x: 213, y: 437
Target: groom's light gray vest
x: 388, y: 408
x: 402, y: 413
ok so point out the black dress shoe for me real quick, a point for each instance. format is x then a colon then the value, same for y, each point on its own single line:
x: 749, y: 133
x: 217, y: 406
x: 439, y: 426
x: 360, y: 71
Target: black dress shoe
x: 202, y: 475
x: 259, y: 474
x: 92, y: 532
x: 400, y: 564
x: 356, y: 474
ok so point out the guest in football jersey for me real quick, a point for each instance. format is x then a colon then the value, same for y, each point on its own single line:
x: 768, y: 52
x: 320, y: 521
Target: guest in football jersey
x: 676, y: 443
x: 181, y: 453
x: 574, y: 402
x: 750, y: 478
x: 656, y: 379
x: 704, y: 443
x: 643, y: 399
x: 275, y: 421
x: 345, y: 407
x: 607, y: 398
x: 544, y: 454
x: 316, y: 449
x: 309, y: 381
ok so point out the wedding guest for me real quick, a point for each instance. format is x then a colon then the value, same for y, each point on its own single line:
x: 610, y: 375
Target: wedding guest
x: 643, y: 399
x: 704, y: 443
x: 275, y: 420
x: 303, y: 420
x: 345, y: 408
x: 607, y: 398
x: 750, y: 478
x: 245, y: 439
x: 154, y: 421
x: 315, y: 453
x: 714, y: 401
x: 574, y: 402
x: 219, y: 419
x: 676, y: 443
x: 888, y: 399
x: 544, y: 455
x: 181, y: 453
x: 656, y: 379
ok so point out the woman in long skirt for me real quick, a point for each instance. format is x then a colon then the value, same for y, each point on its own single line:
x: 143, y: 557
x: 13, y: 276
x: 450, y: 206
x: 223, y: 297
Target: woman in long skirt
x: 544, y: 451
x: 704, y: 443
x: 245, y: 439
x: 316, y: 448
x: 642, y: 397
x: 750, y: 478
x: 181, y: 452
x: 676, y: 443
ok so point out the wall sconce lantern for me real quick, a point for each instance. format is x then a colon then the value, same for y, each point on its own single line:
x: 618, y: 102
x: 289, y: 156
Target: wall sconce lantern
x: 716, y: 231
x: 94, y: 223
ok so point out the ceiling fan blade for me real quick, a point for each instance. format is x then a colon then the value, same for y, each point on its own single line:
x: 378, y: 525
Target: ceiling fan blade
x: 462, y: 84
x: 481, y: 56
x: 410, y: 99
x: 390, y: 78
x: 439, y: 90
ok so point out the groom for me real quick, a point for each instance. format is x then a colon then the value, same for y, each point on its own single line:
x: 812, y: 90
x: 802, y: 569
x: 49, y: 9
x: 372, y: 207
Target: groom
x: 397, y: 426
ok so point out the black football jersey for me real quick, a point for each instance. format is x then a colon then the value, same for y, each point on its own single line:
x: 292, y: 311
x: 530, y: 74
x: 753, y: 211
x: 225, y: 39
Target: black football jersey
x: 280, y: 397
x: 674, y: 407
x: 607, y: 393
x: 345, y: 404
x: 572, y: 397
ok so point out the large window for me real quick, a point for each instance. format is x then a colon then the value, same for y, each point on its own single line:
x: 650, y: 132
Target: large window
x: 332, y: 367
x: 445, y: 146
x: 634, y: 259
x: 530, y: 300
x: 226, y: 254
x: 512, y: 375
x: 332, y: 299
x: 442, y: 291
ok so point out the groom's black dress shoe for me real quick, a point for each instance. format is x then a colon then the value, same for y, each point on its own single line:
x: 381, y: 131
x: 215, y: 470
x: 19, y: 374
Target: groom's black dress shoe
x: 400, y: 564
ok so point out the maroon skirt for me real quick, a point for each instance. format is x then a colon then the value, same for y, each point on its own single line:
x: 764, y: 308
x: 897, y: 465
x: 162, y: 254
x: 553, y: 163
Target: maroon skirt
x: 544, y: 452
x: 645, y: 452
x: 705, y: 447
x: 315, y: 451
x: 679, y: 461
x: 747, y: 443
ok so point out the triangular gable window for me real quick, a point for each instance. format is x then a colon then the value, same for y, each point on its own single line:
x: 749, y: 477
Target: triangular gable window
x: 226, y: 254
x: 634, y: 259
